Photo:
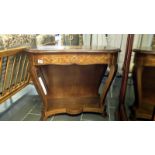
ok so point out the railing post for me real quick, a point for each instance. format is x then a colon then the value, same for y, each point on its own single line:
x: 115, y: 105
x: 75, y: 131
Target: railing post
x: 122, y: 115
x: 13, y: 79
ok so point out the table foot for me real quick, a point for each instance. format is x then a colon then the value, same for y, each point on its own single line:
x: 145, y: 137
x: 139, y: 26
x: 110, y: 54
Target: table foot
x: 43, y: 118
x: 104, y: 114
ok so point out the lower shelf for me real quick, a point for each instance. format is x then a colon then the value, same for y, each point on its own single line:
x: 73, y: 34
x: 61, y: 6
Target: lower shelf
x: 74, y: 106
x: 148, y: 97
x: 145, y: 111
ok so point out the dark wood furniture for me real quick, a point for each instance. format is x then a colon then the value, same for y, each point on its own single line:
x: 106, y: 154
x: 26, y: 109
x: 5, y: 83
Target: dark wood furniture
x: 144, y: 81
x: 72, y: 77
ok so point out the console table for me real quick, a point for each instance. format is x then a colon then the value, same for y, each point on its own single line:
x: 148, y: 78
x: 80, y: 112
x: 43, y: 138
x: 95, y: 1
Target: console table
x: 144, y: 82
x: 68, y: 78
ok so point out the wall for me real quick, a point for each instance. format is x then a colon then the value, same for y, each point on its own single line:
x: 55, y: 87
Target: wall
x: 119, y: 41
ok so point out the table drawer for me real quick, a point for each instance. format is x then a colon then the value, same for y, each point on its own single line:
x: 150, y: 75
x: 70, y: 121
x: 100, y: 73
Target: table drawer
x: 149, y: 60
x: 81, y: 59
x: 145, y: 60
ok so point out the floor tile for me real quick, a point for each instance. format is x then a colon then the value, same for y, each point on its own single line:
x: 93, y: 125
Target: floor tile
x: 19, y: 109
x: 7, y: 116
x: 112, y: 114
x: 65, y: 117
x: 37, y: 109
x: 50, y: 118
x: 94, y: 117
x: 33, y: 90
x: 32, y: 117
x: 113, y: 102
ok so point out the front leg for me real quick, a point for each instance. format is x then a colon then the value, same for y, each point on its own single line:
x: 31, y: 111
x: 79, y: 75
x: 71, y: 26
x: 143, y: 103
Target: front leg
x: 112, y: 73
x: 43, y: 116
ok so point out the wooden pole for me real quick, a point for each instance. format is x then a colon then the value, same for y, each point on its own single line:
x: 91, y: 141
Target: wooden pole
x: 122, y: 115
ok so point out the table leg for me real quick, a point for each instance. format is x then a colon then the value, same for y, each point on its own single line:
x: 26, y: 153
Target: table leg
x: 43, y: 116
x: 112, y: 73
x: 37, y: 84
x: 137, y: 82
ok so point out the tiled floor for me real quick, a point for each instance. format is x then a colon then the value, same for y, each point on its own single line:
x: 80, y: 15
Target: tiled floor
x: 28, y: 108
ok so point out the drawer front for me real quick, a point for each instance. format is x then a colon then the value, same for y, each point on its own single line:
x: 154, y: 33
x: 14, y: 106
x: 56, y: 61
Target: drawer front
x: 149, y: 60
x: 81, y: 59
x: 145, y: 60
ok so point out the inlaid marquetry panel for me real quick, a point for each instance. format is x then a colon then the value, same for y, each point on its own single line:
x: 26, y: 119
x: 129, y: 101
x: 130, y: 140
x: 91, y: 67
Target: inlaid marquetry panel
x: 81, y: 59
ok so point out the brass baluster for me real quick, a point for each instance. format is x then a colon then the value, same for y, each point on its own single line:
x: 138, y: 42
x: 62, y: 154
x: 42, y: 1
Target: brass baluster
x: 1, y: 63
x: 28, y: 77
x: 17, y: 71
x: 1, y: 58
x: 22, y: 70
x: 5, y: 75
x: 26, y: 70
x: 12, y: 72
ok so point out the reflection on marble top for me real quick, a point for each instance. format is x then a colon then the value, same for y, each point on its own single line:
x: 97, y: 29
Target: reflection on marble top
x: 149, y: 50
x: 73, y: 49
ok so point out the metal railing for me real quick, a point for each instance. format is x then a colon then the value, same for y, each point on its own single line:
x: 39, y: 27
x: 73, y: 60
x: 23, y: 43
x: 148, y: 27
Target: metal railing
x: 14, y: 73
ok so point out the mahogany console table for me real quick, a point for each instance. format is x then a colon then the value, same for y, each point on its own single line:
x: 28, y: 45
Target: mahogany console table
x: 144, y: 82
x: 68, y: 78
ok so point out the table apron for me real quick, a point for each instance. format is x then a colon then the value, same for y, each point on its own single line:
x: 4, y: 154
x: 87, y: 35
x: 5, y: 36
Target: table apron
x: 68, y: 59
